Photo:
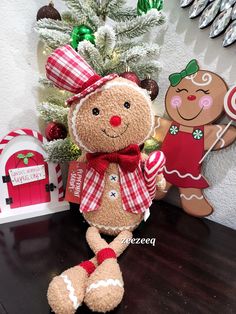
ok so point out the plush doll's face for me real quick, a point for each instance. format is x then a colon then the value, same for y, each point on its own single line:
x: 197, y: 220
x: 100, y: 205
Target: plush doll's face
x: 112, y: 118
x: 197, y: 99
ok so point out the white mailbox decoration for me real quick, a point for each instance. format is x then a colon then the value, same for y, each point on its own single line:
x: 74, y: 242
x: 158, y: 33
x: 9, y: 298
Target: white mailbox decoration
x: 29, y: 186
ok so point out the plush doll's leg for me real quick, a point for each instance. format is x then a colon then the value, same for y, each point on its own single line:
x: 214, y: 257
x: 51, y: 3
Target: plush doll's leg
x: 105, y: 287
x: 160, y: 193
x: 66, y: 292
x: 96, y: 243
x: 194, y: 203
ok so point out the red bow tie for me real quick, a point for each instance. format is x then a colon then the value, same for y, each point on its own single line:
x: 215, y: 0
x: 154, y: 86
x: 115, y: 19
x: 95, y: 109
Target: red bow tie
x: 128, y: 159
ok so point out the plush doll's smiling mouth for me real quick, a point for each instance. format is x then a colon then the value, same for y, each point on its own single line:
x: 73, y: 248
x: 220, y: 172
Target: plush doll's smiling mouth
x: 116, y: 135
x: 189, y: 119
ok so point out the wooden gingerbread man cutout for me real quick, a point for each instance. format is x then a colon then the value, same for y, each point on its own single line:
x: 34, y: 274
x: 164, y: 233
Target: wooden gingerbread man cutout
x: 194, y: 100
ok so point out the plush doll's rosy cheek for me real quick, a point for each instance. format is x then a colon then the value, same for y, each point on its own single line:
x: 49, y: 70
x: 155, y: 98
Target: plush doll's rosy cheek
x: 109, y: 118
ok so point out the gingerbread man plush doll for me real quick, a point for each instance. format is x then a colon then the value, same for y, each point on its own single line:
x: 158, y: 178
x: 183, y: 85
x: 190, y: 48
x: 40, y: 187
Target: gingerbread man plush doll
x: 109, y: 118
x: 194, y: 100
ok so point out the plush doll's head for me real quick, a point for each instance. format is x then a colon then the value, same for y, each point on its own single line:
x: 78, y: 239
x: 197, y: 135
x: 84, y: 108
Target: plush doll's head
x: 111, y: 118
x: 195, y: 97
x: 108, y: 113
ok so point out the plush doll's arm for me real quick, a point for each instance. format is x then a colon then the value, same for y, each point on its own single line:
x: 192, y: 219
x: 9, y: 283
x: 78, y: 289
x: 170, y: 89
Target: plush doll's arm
x: 212, y: 132
x: 161, y: 128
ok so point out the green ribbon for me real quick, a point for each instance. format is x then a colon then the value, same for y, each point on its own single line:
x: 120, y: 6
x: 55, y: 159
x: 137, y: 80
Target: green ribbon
x: 191, y: 68
x: 25, y: 157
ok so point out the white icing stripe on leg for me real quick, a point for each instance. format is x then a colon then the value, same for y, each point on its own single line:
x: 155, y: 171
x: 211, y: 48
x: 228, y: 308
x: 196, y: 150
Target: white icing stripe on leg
x: 188, y: 198
x: 104, y: 283
x: 219, y: 137
x: 71, y: 290
x: 158, y: 123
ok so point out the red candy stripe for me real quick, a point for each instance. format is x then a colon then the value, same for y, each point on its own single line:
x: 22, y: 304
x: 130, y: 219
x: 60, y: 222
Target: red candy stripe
x: 104, y: 254
x: 88, y: 266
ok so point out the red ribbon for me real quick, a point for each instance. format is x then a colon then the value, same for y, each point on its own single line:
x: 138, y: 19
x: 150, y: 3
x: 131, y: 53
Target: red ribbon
x: 128, y: 159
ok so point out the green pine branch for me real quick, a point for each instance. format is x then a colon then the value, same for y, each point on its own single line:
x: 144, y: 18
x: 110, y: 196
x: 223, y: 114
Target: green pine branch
x: 139, y: 25
x: 51, y: 112
x: 61, y: 151
x: 123, y: 14
x: 105, y: 40
x: 145, y: 69
x: 85, y: 12
x: 54, y: 38
x: 53, y: 25
x: 139, y: 53
x: 91, y: 55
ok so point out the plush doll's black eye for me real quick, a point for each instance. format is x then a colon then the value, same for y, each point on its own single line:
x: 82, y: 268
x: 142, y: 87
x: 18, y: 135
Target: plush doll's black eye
x: 95, y: 111
x: 127, y: 105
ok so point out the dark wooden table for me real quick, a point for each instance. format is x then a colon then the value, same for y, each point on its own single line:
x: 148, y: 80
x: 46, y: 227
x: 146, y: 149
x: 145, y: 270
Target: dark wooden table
x: 191, y: 269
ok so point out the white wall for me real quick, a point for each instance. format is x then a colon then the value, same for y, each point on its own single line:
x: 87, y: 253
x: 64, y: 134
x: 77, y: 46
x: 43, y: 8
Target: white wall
x: 21, y: 60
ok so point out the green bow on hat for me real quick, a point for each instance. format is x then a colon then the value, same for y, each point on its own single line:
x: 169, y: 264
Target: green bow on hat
x: 191, y: 68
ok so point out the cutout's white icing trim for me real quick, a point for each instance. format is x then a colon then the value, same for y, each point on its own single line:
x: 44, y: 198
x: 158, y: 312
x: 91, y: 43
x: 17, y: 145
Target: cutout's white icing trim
x: 182, y: 175
x: 106, y: 86
x: 189, y: 198
x: 71, y: 290
x: 206, y: 78
x: 105, y: 283
x: 218, y: 135
x: 112, y: 228
x: 159, y: 123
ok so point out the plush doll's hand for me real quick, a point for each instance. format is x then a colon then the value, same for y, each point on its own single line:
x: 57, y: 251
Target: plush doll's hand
x: 161, y: 183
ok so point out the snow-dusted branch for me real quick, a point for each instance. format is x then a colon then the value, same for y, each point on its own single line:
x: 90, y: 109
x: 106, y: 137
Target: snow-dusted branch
x: 62, y: 150
x: 105, y: 40
x: 91, y: 55
x: 139, y: 25
x: 51, y: 112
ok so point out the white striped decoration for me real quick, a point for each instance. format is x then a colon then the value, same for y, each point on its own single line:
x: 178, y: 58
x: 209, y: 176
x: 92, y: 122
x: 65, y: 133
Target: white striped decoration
x: 60, y: 183
x: 19, y: 132
x: 152, y: 166
x: 10, y: 136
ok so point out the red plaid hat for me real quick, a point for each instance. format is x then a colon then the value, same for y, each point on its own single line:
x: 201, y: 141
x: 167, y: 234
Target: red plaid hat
x: 69, y: 71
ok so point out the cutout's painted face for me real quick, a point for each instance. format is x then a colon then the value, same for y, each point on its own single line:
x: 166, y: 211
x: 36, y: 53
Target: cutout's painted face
x: 113, y: 118
x: 197, y: 99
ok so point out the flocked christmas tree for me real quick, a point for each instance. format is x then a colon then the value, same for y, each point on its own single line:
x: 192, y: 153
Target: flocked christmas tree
x: 109, y: 35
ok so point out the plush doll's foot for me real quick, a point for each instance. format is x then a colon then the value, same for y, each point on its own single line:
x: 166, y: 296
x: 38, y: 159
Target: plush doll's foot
x: 105, y: 287
x: 66, y: 292
x: 194, y: 203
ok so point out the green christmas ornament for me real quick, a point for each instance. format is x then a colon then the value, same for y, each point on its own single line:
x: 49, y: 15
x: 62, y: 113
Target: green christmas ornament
x: 89, y: 37
x: 143, y: 6
x: 80, y: 33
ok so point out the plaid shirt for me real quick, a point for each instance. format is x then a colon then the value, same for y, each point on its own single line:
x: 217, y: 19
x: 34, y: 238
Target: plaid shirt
x: 134, y: 194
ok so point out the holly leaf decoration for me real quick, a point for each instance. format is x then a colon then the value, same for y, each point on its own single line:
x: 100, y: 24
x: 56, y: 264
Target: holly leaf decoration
x: 21, y: 156
x: 26, y: 161
x: 25, y: 157
x: 28, y: 155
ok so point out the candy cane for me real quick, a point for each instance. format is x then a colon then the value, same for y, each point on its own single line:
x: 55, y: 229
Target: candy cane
x: 230, y: 110
x: 10, y: 136
x: 152, y: 167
